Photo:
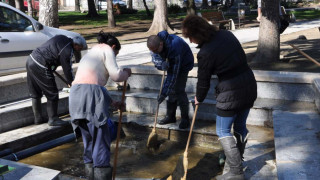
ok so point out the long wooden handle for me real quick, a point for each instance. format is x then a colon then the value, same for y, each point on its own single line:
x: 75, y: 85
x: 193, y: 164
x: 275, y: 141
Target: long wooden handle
x: 118, y: 132
x: 156, y: 117
x: 191, y: 128
x: 64, y: 80
x: 305, y: 55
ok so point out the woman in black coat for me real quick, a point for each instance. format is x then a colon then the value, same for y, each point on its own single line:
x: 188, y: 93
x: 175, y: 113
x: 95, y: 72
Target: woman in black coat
x: 221, y: 54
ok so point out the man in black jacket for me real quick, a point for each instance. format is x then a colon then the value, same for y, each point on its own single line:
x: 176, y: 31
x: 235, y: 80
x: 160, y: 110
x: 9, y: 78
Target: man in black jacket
x: 40, y: 66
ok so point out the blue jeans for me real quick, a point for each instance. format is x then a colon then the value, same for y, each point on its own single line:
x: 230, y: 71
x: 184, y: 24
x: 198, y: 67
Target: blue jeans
x: 223, y: 124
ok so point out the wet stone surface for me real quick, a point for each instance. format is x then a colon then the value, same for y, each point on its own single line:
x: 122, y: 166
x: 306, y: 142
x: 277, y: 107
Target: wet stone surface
x: 135, y: 161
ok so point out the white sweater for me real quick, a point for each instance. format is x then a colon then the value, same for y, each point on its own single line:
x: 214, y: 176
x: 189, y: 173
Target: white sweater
x: 97, y: 65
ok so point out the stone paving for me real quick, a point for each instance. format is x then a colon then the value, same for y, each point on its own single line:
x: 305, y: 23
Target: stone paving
x: 297, y: 144
x: 138, y: 53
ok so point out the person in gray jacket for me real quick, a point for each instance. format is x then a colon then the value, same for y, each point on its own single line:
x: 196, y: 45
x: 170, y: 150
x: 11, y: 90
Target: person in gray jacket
x: 40, y: 66
x: 221, y: 54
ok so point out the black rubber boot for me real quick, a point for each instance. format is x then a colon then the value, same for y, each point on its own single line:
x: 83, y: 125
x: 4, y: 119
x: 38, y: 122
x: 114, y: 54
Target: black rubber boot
x: 185, y: 123
x: 37, y: 110
x: 102, y: 173
x: 52, y: 110
x: 171, y: 113
x: 233, y: 159
x: 241, y: 142
x: 88, y: 169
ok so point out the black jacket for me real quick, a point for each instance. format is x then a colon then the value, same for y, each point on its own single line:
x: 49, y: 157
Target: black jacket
x: 223, y: 55
x: 55, y: 52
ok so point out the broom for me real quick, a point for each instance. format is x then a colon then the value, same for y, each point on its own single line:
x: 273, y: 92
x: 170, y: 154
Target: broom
x: 305, y: 55
x: 181, y: 169
x: 153, y: 142
x: 118, y: 132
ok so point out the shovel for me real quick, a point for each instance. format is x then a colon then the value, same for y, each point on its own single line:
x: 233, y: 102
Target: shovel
x: 153, y: 137
x: 59, y: 76
x: 181, y: 169
x: 305, y: 55
x: 118, y: 133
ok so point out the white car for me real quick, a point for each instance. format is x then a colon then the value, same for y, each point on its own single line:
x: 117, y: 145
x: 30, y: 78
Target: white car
x: 19, y: 35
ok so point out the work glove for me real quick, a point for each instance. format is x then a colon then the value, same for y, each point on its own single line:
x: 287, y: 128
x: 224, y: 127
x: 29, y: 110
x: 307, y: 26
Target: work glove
x: 165, y: 65
x: 161, y: 98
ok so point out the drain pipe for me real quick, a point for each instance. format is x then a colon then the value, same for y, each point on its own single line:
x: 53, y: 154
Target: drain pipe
x: 5, y: 152
x: 40, y: 148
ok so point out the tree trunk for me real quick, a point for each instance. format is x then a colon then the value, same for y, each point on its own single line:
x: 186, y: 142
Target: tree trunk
x: 191, y: 7
x: 160, y: 18
x: 77, y: 5
x: 147, y: 9
x: 204, y: 4
x: 30, y: 8
x: 268, y: 49
x: 48, y: 13
x: 92, y: 12
x: 12, y: 3
x: 111, y: 21
x: 19, y: 5
x: 130, y: 4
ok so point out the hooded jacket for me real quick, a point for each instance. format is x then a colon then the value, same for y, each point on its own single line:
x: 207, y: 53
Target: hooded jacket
x: 179, y: 56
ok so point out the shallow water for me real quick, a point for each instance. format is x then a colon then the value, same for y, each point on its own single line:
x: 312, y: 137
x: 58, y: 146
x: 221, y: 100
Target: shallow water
x: 134, y: 160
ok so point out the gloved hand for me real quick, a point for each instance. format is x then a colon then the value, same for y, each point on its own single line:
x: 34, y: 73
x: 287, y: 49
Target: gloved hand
x: 161, y: 98
x: 165, y: 65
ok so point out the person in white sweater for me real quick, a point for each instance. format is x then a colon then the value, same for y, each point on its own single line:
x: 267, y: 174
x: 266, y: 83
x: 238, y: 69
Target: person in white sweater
x: 89, y: 102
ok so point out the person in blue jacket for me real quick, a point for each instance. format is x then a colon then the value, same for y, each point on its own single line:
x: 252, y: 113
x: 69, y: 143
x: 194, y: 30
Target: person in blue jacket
x: 172, y: 54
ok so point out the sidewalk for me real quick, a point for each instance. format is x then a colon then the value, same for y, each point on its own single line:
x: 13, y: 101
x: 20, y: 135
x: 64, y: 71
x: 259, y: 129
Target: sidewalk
x: 138, y: 53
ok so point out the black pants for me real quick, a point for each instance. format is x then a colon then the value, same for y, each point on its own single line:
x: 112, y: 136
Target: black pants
x: 179, y: 92
x: 41, y: 81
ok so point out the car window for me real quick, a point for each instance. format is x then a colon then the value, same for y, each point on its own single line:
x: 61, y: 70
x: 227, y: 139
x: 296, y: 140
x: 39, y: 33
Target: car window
x: 11, y: 21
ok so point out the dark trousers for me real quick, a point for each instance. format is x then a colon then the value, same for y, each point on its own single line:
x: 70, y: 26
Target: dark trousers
x: 179, y: 92
x: 96, y: 142
x: 41, y: 81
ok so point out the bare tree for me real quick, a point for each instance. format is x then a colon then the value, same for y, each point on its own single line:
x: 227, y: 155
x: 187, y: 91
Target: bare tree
x: 92, y: 12
x: 77, y: 5
x: 268, y: 49
x: 204, y: 4
x: 19, y: 5
x: 147, y: 9
x: 48, y: 13
x: 130, y: 4
x: 30, y: 8
x: 191, y: 7
x: 160, y: 18
x: 111, y: 21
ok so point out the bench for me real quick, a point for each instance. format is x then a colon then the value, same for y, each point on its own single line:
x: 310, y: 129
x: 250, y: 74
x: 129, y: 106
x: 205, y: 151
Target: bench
x: 217, y: 18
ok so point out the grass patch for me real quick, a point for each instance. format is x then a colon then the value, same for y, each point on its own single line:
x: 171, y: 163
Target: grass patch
x: 77, y: 18
x: 307, y: 15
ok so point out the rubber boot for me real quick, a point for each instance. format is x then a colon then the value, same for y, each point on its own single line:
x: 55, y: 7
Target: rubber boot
x: 185, y: 123
x: 241, y: 142
x: 52, y: 110
x: 37, y: 110
x: 233, y: 159
x: 102, y: 173
x: 88, y: 169
x: 171, y: 113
